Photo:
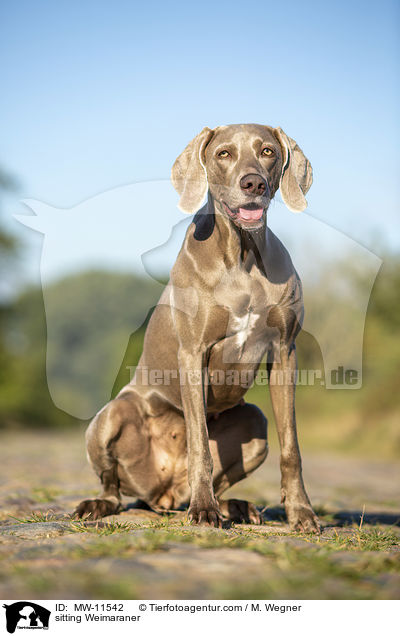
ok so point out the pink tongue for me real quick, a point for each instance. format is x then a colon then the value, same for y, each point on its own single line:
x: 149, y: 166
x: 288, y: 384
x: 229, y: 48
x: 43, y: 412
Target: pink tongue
x: 250, y: 215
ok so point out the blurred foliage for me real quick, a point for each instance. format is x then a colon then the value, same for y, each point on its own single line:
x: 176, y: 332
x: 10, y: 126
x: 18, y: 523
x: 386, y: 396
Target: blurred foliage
x: 8, y: 249
x: 89, y: 312
x: 89, y: 321
x: 8, y: 243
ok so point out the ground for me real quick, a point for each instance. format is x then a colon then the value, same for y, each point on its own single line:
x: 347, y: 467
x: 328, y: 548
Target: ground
x: 139, y: 554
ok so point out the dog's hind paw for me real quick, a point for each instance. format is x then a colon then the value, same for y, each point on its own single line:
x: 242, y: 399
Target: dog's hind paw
x: 240, y: 511
x: 96, y: 509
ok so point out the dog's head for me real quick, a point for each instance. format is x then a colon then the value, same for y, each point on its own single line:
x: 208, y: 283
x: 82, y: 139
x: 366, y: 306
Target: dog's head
x: 243, y: 166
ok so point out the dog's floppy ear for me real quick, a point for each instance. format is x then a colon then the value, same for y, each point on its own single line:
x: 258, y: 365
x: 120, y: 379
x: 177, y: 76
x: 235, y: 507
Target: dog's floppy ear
x: 296, y: 176
x: 188, y: 173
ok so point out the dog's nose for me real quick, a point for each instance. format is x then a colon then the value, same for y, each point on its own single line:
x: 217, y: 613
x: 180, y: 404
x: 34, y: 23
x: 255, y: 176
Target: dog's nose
x: 253, y: 184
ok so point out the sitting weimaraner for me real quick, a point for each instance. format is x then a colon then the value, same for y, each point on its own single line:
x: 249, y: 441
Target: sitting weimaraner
x: 181, y: 432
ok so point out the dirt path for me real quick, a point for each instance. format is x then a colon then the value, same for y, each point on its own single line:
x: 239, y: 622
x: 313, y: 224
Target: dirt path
x: 138, y: 554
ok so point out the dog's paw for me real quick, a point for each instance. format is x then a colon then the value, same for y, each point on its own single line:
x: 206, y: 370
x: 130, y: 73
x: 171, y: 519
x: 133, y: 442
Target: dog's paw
x: 302, y: 518
x: 205, y: 515
x: 96, y: 509
x: 240, y: 511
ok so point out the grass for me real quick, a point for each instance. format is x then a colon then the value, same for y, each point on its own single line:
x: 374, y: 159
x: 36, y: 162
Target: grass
x: 102, y: 528
x: 118, y: 559
x: 166, y: 529
x: 156, y: 536
x: 104, y: 564
x: 372, y: 540
x: 85, y: 584
x: 37, y: 517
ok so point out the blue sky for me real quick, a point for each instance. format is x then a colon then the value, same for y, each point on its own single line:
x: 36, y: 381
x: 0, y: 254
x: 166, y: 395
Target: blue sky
x: 96, y: 95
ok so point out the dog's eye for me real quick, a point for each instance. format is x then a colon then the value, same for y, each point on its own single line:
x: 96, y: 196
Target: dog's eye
x: 223, y: 154
x: 267, y: 152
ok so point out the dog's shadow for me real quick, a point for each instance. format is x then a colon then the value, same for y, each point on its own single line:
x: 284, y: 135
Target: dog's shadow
x: 340, y: 518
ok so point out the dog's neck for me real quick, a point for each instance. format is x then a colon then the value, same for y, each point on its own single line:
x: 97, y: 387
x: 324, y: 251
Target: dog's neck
x: 247, y: 247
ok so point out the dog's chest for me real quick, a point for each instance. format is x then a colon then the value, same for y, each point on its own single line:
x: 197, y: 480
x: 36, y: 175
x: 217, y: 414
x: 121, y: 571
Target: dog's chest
x: 243, y: 326
x: 246, y: 298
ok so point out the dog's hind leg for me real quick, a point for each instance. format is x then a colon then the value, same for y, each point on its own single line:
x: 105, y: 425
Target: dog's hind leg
x: 119, y: 448
x: 102, y: 431
x: 238, y: 444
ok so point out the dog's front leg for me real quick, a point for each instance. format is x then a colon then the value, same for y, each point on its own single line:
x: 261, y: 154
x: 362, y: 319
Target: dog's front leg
x: 203, y: 505
x: 298, y: 508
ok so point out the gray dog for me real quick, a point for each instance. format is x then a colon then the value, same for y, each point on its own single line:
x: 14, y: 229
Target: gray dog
x: 181, y: 432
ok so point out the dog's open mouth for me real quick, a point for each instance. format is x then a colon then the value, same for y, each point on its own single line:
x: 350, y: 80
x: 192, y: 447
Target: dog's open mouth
x: 249, y: 215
